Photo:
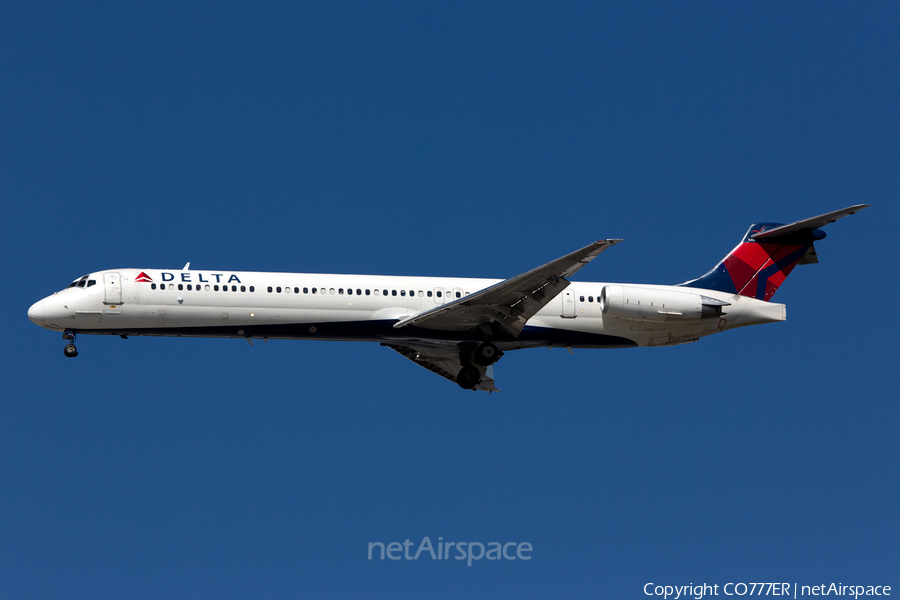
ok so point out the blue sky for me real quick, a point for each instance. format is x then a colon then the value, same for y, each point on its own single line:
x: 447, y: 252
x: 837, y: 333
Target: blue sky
x: 465, y: 139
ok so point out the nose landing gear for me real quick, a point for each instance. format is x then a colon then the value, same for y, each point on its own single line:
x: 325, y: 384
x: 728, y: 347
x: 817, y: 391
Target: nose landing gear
x: 70, y: 350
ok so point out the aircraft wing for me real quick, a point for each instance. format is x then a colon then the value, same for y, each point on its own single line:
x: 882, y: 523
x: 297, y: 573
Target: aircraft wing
x: 506, y: 306
x: 445, y: 363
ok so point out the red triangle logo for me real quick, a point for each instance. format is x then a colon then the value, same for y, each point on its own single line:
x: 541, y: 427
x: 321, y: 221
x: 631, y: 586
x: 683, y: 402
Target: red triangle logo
x: 143, y: 277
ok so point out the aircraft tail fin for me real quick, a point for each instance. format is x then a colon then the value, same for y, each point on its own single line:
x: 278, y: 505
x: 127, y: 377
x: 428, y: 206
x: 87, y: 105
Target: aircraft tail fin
x: 767, y: 255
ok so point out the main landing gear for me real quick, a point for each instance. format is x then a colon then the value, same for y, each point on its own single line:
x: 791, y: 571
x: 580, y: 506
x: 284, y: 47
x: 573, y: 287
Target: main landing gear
x: 70, y: 350
x: 484, y: 356
x: 468, y: 377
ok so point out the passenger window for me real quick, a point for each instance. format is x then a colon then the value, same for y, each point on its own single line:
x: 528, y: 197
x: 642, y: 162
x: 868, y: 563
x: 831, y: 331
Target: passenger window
x: 412, y: 292
x: 385, y: 292
x: 349, y: 291
x: 341, y: 291
x: 270, y: 288
x: 581, y: 298
x: 367, y: 292
x: 331, y: 291
x: 458, y: 295
x: 216, y: 288
x: 189, y: 287
x: 171, y: 286
x: 429, y: 293
x: 234, y: 288
x: 590, y: 298
x: 278, y: 289
x: 252, y: 289
x: 152, y: 286
x: 306, y: 290
x: 421, y: 294
x: 243, y: 289
x: 296, y: 290
x: 206, y: 288
x: 402, y: 292
x: 322, y: 291
x: 314, y: 290
x: 438, y: 294
x: 180, y: 287
x: 377, y: 292
x: 358, y: 292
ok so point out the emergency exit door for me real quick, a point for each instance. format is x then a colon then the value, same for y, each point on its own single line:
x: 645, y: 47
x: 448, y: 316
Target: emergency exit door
x: 568, y: 304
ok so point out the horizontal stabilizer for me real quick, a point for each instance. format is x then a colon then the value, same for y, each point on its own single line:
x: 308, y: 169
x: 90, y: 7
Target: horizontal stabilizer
x: 808, y: 224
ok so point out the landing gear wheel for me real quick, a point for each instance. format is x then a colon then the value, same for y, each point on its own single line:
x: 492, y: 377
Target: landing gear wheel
x: 70, y: 351
x: 487, y: 354
x: 468, y: 377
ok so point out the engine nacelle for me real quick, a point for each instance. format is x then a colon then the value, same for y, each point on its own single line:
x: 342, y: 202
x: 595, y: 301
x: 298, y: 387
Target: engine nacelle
x: 643, y: 304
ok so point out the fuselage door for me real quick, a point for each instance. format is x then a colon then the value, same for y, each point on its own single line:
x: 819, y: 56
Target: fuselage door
x: 112, y: 288
x: 568, y: 304
x: 439, y: 295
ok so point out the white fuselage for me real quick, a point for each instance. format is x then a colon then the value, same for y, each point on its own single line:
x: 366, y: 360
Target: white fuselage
x: 203, y: 303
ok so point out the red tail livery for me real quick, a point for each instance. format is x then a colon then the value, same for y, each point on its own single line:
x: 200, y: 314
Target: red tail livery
x: 767, y: 255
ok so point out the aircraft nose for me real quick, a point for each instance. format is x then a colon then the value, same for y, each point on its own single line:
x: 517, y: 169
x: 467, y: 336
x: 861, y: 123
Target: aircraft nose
x: 36, y: 313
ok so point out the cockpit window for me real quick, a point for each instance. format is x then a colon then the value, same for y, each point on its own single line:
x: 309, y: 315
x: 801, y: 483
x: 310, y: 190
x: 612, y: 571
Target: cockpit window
x: 78, y: 282
x: 91, y: 282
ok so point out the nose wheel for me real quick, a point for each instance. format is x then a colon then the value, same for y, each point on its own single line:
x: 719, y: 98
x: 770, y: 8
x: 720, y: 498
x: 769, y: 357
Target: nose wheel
x: 70, y: 350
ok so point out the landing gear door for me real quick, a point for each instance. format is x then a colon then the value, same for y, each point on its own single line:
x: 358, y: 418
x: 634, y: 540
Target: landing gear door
x: 112, y: 288
x: 568, y: 304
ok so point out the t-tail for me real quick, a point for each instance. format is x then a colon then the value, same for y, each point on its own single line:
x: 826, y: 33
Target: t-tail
x: 767, y: 255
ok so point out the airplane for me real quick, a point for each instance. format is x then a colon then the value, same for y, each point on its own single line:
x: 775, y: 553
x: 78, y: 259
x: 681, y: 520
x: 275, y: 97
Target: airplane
x: 456, y: 327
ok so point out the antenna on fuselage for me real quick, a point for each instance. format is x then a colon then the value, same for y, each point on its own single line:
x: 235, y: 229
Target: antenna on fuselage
x: 187, y: 267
